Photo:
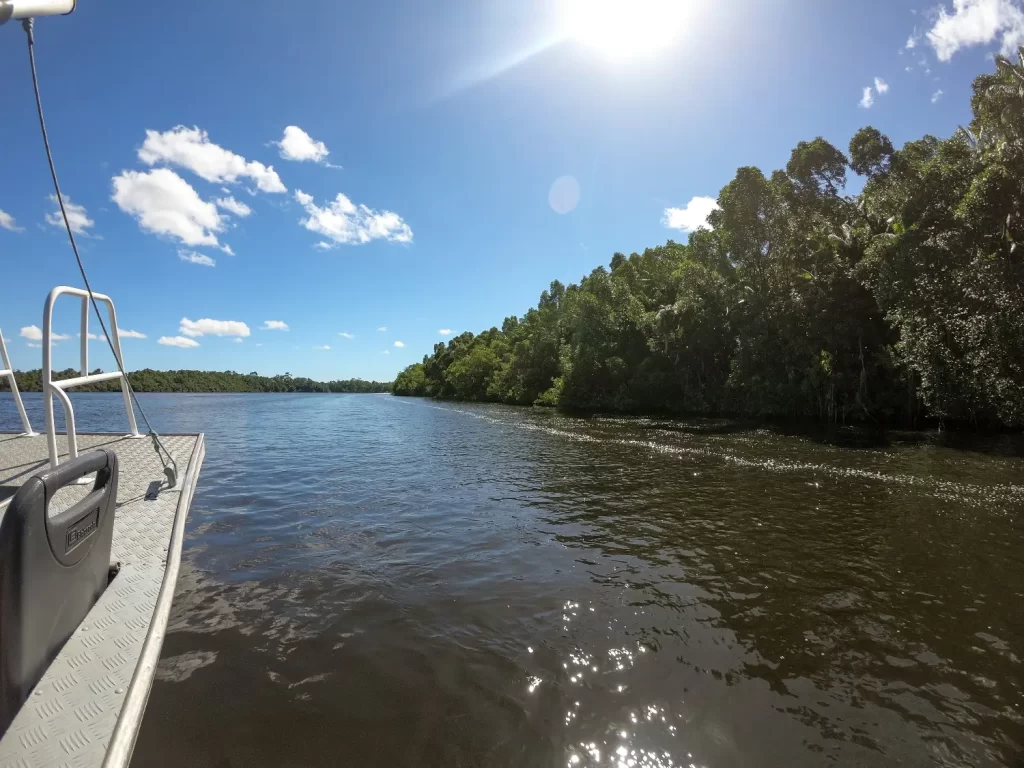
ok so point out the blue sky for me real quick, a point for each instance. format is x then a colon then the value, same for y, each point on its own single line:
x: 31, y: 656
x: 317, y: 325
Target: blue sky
x: 449, y: 128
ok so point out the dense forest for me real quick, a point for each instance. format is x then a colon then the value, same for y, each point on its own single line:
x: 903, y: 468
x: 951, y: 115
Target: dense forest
x: 895, y: 305
x: 148, y: 380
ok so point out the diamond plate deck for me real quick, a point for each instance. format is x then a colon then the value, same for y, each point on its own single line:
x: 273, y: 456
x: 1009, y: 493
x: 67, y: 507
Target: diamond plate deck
x: 72, y: 714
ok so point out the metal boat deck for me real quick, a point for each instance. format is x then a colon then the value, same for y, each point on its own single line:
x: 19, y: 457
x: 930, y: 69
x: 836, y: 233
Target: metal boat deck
x: 87, y: 708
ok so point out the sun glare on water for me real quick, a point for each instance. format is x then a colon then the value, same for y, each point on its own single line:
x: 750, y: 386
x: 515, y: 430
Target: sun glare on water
x: 625, y: 28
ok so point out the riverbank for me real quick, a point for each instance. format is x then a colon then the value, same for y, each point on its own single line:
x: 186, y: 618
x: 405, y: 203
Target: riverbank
x: 149, y: 380
x: 853, y: 434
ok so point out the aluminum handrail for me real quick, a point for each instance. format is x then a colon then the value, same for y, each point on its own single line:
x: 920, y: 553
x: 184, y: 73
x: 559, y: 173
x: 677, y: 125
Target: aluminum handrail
x: 53, y: 388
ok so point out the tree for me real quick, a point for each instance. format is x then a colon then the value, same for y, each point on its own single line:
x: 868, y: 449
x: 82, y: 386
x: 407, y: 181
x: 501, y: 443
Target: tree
x: 148, y: 380
x: 870, y: 153
x: 411, y: 381
x: 798, y: 300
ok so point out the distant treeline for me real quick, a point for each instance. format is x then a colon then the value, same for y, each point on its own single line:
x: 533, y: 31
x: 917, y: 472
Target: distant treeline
x: 901, y: 303
x: 148, y: 380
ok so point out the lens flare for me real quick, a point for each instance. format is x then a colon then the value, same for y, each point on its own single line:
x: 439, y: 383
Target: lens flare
x: 626, y: 28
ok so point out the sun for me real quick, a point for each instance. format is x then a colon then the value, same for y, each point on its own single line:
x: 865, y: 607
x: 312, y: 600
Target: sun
x: 625, y: 28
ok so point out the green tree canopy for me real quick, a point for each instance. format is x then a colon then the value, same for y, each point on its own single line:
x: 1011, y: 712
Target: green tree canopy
x: 798, y: 300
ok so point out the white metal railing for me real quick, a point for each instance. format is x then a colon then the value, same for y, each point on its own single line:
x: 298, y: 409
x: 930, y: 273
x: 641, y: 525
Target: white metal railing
x: 8, y: 371
x: 53, y: 388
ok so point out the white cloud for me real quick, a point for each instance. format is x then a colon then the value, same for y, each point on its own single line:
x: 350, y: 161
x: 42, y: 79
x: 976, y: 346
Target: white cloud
x: 7, y: 222
x: 33, y: 345
x: 386, y: 352
x: 445, y: 331
x: 692, y: 216
x: 977, y: 22
x: 208, y: 327
x: 231, y: 205
x: 298, y: 145
x: 399, y: 344
x: 238, y: 341
x: 227, y: 250
x: 346, y: 223
x: 937, y: 95
x: 35, y: 333
x: 323, y: 246
x: 194, y: 257
x: 177, y: 341
x: 868, y: 99
x: 324, y: 348
x: 78, y: 219
x: 383, y: 329
x: 881, y: 86
x: 191, y: 148
x: 122, y: 334
x: 165, y: 204
x: 275, y: 325
x: 347, y: 335
x: 913, y: 40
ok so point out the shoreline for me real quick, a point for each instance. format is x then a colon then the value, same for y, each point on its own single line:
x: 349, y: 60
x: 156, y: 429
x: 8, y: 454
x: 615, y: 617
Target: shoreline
x: 789, y: 425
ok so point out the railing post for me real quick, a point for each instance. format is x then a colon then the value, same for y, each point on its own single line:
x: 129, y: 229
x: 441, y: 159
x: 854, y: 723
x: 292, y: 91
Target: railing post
x: 85, y: 337
x: 116, y: 341
x: 51, y: 429
x: 9, y: 369
x: 69, y: 424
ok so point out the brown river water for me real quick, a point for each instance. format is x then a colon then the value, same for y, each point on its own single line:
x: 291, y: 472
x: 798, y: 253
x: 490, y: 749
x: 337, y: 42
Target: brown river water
x: 376, y: 581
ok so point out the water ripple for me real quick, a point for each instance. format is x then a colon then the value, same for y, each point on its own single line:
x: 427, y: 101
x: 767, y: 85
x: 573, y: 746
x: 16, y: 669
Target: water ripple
x: 378, y: 581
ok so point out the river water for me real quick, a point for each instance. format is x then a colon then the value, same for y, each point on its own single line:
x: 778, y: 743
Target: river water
x: 377, y: 581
